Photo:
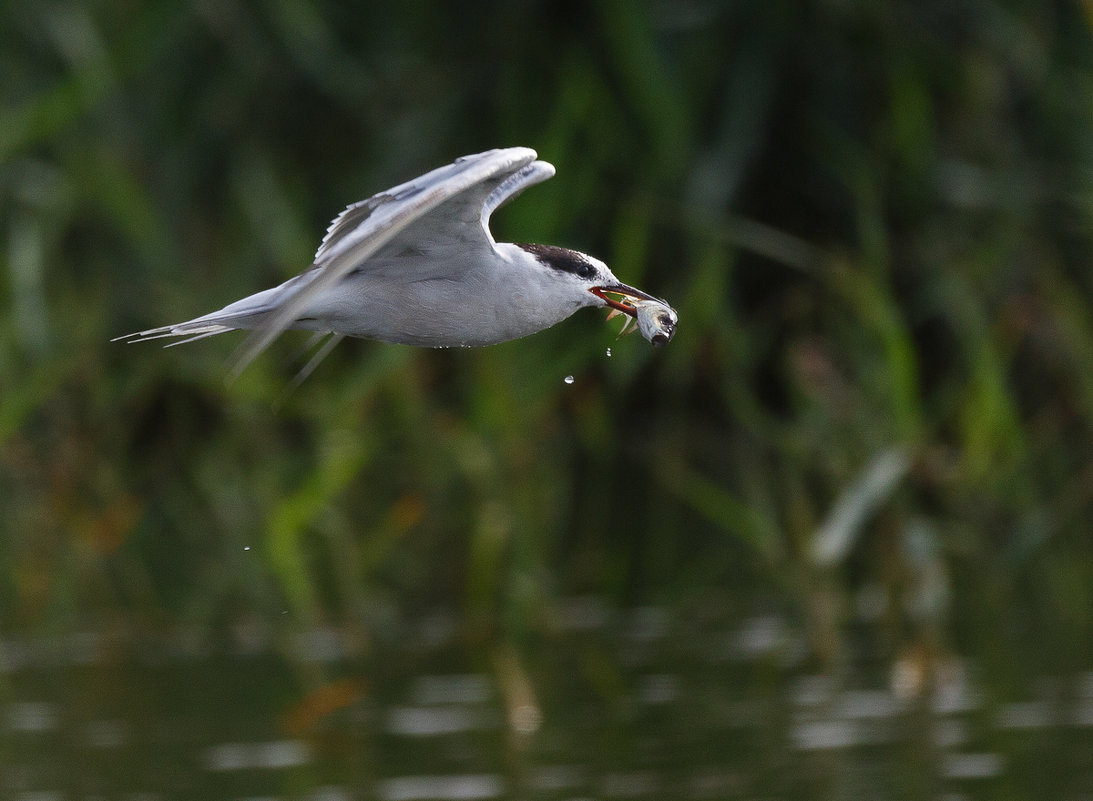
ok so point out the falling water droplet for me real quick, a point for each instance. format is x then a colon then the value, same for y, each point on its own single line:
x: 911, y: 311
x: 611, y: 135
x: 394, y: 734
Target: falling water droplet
x: 569, y: 379
x: 609, y: 353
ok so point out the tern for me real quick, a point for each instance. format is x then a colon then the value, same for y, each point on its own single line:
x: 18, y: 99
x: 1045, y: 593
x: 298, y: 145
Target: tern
x: 417, y: 265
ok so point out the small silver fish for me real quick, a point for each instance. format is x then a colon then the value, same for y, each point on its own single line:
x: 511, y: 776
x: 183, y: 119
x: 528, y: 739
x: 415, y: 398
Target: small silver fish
x: 656, y: 321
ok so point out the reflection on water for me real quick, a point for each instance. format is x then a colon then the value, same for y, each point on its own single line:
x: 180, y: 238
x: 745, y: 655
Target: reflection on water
x: 616, y: 705
x: 411, y: 788
x: 257, y: 756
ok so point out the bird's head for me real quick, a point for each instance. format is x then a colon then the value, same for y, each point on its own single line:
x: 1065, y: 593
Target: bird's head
x: 584, y: 280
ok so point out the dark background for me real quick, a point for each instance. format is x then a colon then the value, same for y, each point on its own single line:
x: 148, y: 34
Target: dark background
x: 876, y: 419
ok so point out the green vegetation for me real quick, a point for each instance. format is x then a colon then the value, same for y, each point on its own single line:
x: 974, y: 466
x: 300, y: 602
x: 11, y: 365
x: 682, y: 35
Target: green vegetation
x: 874, y: 219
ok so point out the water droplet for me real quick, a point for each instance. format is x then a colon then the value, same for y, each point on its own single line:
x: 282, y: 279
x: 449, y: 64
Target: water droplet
x: 569, y: 379
x: 246, y: 547
x: 609, y: 353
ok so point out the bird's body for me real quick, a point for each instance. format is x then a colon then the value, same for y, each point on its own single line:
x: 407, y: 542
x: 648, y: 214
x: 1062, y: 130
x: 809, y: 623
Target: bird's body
x: 417, y: 265
x: 500, y: 300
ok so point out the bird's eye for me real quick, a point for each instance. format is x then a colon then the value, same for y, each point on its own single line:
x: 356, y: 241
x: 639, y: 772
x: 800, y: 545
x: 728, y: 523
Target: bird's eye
x: 586, y: 271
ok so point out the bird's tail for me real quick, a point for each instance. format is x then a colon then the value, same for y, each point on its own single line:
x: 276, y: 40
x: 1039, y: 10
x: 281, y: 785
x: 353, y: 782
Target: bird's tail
x: 229, y: 318
x: 250, y: 313
x: 191, y: 327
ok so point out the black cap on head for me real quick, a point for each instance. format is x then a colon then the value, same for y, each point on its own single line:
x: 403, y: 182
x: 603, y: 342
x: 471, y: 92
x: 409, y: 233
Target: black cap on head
x: 562, y: 259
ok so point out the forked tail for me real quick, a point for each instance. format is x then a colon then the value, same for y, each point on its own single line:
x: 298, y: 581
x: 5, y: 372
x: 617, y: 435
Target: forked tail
x: 193, y: 329
x: 250, y: 313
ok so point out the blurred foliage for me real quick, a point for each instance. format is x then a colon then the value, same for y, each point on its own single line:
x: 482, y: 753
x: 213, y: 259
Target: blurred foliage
x: 874, y: 220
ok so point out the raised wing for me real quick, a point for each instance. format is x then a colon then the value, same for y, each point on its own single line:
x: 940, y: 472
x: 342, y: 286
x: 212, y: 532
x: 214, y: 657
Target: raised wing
x: 449, y: 224
x: 465, y: 189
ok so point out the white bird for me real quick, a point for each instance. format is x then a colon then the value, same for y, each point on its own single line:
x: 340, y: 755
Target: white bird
x: 417, y: 265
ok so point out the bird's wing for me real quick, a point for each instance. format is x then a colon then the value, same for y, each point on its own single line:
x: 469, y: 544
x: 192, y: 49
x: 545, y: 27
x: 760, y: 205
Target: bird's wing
x: 466, y: 189
x: 452, y: 223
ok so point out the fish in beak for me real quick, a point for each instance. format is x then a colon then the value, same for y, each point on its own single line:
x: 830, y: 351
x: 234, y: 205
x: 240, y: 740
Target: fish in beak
x: 656, y: 319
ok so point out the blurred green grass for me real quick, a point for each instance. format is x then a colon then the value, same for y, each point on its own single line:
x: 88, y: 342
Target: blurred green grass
x: 874, y: 220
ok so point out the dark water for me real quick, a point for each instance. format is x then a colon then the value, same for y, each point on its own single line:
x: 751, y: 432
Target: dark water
x: 609, y: 706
